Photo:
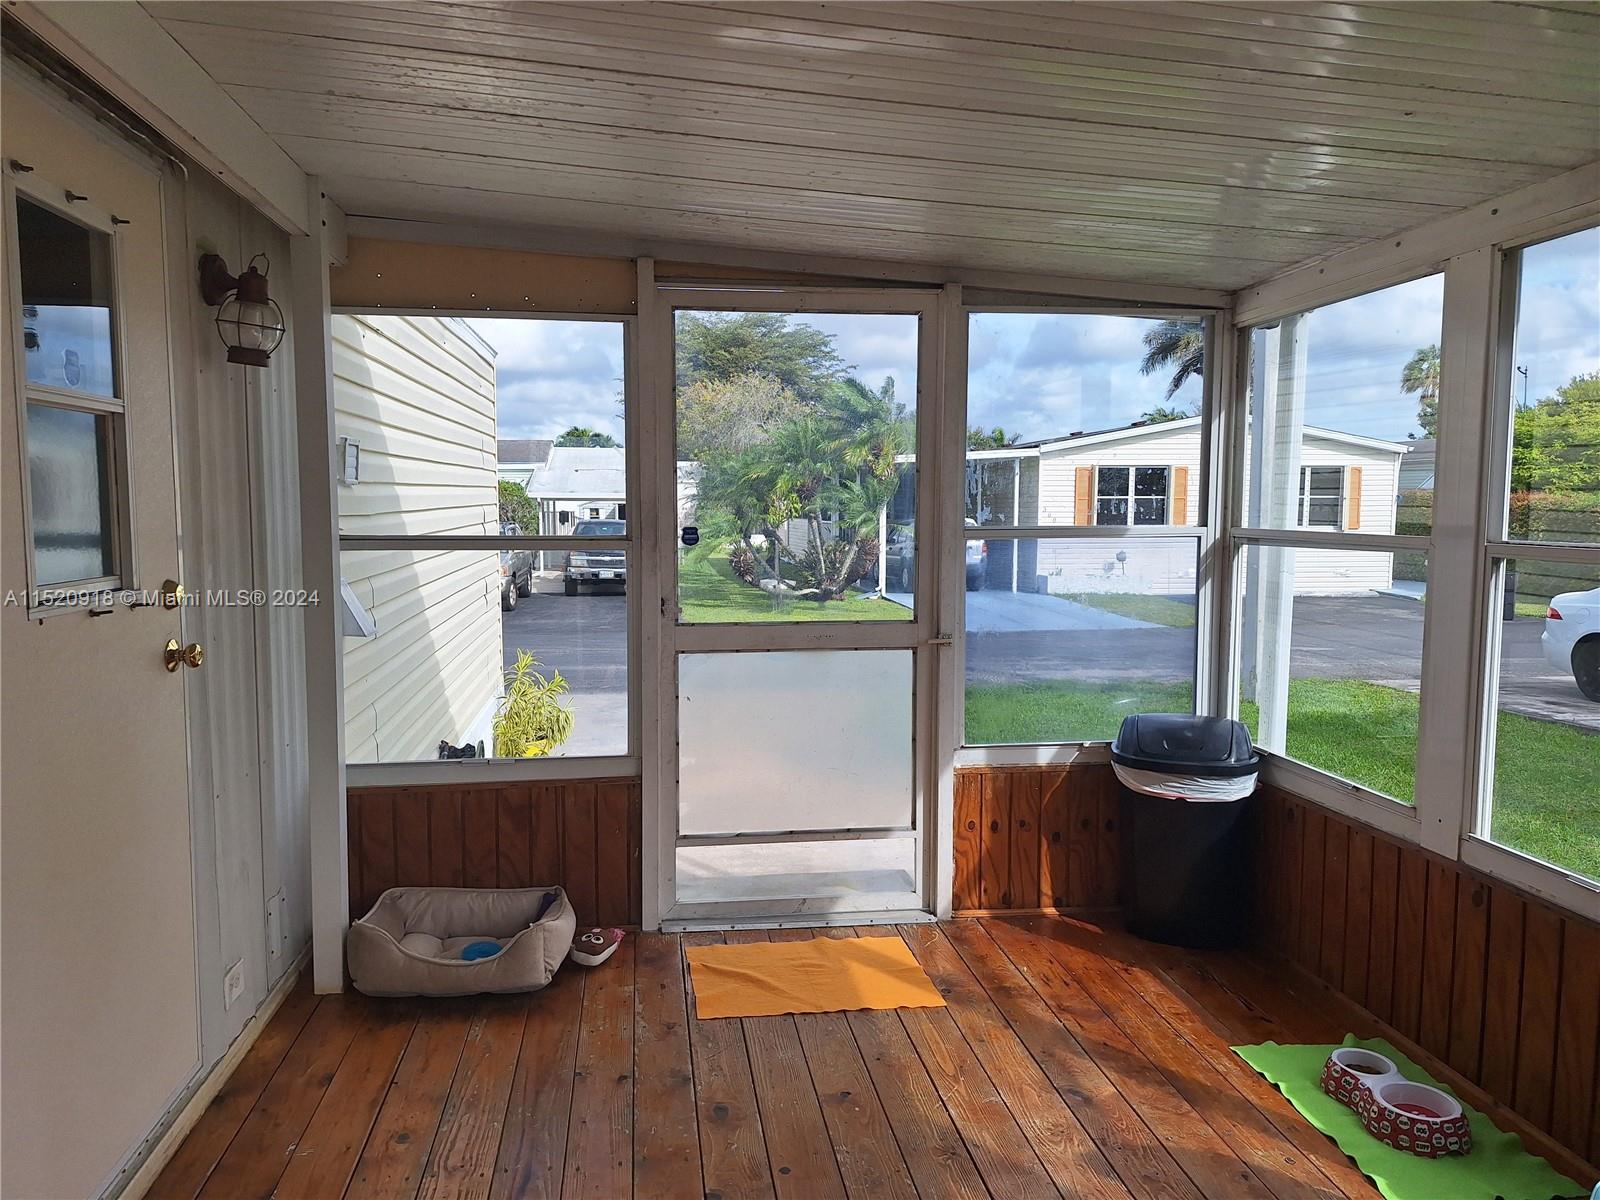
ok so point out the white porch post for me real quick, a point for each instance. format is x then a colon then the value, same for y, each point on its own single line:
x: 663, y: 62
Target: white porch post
x: 319, y: 535
x: 1277, y: 428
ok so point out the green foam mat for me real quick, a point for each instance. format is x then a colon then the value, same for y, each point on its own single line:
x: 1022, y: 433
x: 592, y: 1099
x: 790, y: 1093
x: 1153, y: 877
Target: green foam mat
x: 1497, y: 1168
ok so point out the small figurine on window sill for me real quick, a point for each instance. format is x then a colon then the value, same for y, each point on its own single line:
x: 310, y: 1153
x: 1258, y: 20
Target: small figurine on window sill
x: 446, y: 750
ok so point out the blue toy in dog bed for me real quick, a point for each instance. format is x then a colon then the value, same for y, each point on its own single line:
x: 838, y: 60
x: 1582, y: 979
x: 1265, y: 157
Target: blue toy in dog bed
x: 480, y: 950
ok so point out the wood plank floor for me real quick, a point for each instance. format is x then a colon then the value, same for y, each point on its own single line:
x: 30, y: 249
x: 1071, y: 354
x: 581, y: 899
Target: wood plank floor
x: 1071, y: 1061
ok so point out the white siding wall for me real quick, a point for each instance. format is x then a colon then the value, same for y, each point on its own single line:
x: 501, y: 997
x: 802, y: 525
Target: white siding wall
x: 420, y: 398
x: 1167, y: 570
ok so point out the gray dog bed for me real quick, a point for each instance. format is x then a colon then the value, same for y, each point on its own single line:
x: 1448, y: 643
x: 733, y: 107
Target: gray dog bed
x: 410, y: 943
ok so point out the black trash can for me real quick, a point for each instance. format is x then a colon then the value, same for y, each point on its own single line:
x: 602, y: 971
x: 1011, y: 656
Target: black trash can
x: 1186, y: 875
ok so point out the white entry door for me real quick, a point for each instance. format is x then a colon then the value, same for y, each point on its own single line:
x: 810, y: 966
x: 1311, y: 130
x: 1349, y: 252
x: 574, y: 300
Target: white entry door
x: 100, y: 1010
x: 801, y: 622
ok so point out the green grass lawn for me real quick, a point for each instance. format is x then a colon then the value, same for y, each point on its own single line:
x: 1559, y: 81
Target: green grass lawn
x: 1158, y: 610
x: 1062, y: 711
x: 709, y: 592
x: 1547, y: 776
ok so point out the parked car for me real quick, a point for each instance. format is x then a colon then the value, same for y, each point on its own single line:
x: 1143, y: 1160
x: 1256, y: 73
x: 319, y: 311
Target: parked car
x: 516, y: 570
x: 596, y: 566
x: 900, y: 556
x: 1571, y: 638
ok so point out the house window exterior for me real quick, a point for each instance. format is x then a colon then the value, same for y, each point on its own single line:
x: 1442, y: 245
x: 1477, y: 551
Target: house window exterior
x: 1321, y: 496
x: 1131, y: 495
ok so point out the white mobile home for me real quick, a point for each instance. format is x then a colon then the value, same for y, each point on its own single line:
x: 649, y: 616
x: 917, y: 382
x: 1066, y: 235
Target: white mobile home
x: 1149, y: 474
x: 418, y: 396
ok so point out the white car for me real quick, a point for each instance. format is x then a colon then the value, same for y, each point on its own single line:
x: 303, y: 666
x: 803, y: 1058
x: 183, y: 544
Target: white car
x: 1571, y: 638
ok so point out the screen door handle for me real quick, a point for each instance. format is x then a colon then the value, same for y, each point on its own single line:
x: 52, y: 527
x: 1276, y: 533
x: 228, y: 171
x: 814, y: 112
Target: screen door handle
x: 942, y: 639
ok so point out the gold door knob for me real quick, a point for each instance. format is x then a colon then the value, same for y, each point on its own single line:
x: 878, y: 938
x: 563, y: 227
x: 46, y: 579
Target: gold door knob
x: 191, y: 655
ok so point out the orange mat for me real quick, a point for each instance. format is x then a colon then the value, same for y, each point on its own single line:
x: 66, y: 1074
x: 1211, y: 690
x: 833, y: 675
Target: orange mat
x: 764, y: 979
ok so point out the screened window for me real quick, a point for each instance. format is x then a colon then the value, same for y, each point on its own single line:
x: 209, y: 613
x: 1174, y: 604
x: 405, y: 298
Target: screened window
x: 1542, y: 797
x: 1321, y: 490
x: 1136, y: 492
x: 73, y: 426
x: 489, y: 427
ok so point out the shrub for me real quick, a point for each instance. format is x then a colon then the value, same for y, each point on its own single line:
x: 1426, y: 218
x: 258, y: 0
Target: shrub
x: 517, y: 507
x: 532, y: 721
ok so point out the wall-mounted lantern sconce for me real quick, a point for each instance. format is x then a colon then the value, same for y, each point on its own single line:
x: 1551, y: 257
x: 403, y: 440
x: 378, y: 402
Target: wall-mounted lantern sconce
x: 249, y: 321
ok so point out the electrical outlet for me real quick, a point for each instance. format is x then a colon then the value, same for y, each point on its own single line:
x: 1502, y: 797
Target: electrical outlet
x: 233, y: 984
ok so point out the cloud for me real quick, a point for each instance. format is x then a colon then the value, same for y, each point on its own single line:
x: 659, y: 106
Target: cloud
x: 551, y: 375
x: 1042, y: 375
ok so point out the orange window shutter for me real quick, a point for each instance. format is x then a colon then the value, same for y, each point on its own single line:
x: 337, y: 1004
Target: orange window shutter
x: 1083, y: 497
x: 1178, y: 512
x: 1352, y: 498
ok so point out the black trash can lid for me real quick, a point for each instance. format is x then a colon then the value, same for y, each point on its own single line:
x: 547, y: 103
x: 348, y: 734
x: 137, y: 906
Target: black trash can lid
x: 1185, y: 744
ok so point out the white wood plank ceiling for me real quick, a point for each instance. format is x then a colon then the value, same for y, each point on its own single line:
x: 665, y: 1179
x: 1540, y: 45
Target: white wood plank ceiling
x: 1181, y: 143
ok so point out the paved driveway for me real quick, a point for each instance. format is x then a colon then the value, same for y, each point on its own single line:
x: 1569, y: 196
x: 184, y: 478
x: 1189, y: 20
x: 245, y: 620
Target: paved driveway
x: 585, y: 637
x: 1377, y: 638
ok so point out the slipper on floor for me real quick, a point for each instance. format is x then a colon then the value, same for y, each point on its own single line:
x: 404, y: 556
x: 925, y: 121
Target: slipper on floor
x: 593, y: 946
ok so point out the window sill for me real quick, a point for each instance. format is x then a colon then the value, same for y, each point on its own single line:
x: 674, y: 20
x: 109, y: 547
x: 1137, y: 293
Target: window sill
x: 1348, y: 799
x: 469, y: 771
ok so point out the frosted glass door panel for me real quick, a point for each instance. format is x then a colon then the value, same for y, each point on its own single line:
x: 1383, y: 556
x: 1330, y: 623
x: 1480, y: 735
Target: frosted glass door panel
x: 795, y: 739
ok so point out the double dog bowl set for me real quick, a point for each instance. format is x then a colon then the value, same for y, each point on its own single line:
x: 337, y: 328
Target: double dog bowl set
x: 1412, y: 1117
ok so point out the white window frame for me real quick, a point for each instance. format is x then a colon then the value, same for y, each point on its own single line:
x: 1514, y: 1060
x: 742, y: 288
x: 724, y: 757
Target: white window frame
x: 1131, y: 495
x: 1305, y: 497
x: 1454, y: 761
x: 1503, y: 275
x: 470, y: 772
x: 101, y: 592
x: 1211, y: 590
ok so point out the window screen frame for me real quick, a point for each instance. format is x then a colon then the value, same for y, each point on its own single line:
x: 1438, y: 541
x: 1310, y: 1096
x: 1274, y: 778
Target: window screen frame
x: 100, y: 592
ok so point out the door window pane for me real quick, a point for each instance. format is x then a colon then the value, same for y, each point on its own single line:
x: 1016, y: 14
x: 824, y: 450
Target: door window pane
x: 66, y: 302
x: 69, y: 494
x: 1545, y: 796
x: 1555, y: 382
x: 1331, y: 662
x: 796, y: 444
x: 432, y: 646
x: 1070, y: 635
x: 790, y: 740
x: 1352, y: 387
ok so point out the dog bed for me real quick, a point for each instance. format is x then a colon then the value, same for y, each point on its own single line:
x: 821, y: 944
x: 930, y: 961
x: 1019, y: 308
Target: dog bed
x: 411, y: 943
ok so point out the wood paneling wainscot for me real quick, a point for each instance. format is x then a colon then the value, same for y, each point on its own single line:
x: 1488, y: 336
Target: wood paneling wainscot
x: 1501, y: 986
x: 1032, y: 839
x: 580, y: 834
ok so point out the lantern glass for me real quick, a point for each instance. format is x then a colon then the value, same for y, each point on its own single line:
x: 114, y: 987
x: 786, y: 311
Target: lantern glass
x: 250, y: 329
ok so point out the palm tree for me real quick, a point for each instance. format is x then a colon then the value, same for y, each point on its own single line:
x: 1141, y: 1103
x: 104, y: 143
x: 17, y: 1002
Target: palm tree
x: 1420, y: 377
x: 1162, y: 413
x: 1180, y: 345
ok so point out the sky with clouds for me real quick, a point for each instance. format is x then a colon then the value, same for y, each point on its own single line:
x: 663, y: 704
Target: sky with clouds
x: 1041, y: 376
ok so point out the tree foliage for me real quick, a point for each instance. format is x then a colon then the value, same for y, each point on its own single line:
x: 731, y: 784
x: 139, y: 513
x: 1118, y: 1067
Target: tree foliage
x: 1176, y: 345
x: 517, y: 507
x: 718, y: 417
x: 1420, y: 378
x: 580, y: 435
x: 1163, y: 413
x: 1555, y: 445
x: 993, y: 439
x: 725, y: 346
